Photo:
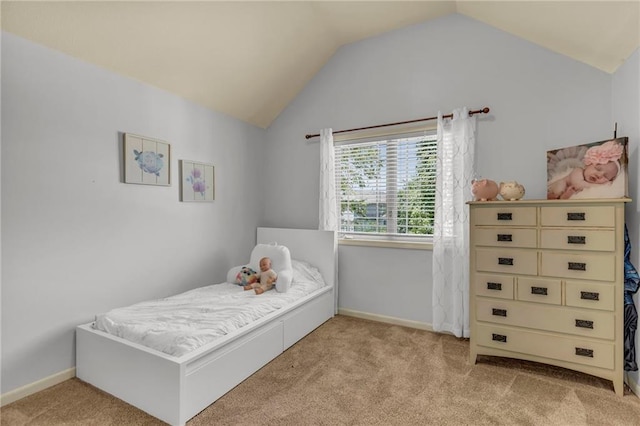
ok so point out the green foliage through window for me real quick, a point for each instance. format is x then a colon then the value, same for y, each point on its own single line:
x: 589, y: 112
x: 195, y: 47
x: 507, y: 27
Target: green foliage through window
x: 387, y: 186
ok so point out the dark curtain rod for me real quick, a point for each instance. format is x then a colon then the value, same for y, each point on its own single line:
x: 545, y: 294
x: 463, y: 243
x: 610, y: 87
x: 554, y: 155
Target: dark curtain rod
x: 478, y: 111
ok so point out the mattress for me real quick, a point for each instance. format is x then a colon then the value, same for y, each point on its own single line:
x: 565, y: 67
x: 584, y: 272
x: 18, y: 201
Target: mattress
x: 179, y: 324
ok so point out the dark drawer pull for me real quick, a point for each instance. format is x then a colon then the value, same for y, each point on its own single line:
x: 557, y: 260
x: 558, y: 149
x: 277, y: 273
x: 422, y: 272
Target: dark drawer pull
x: 584, y: 352
x: 494, y: 286
x: 504, y: 216
x: 574, y: 239
x: 584, y: 324
x: 539, y: 290
x: 505, y: 237
x: 589, y: 295
x: 577, y: 266
x: 505, y: 261
x: 499, y: 312
x: 499, y: 337
x: 575, y: 216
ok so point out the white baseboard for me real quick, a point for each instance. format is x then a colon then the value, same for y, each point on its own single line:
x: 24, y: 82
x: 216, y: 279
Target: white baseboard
x: 34, y: 387
x: 382, y: 318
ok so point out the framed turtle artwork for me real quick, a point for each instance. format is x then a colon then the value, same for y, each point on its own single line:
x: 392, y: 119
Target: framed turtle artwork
x: 147, y: 161
x: 593, y: 170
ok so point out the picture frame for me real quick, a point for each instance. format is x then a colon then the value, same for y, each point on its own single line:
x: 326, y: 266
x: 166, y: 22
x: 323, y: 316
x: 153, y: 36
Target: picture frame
x: 589, y: 171
x: 197, y: 181
x: 147, y: 161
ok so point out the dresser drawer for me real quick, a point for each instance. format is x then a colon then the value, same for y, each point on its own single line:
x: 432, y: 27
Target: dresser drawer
x: 506, y: 215
x: 562, y: 348
x: 580, y: 322
x: 505, y: 237
x: 578, y: 216
x: 587, y: 266
x: 515, y: 261
x: 590, y: 295
x: 578, y: 239
x: 540, y: 290
x: 500, y: 286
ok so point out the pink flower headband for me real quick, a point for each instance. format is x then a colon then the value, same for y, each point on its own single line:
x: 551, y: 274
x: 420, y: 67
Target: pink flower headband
x: 602, y: 154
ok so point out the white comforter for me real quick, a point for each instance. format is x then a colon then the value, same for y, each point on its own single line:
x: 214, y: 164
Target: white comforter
x: 179, y: 324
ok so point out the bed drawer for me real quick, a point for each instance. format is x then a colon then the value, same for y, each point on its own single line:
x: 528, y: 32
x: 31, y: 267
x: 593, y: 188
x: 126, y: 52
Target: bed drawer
x: 500, y: 286
x: 581, y: 322
x: 578, y: 239
x: 507, y: 216
x: 505, y: 237
x: 578, y: 216
x: 558, y: 347
x: 587, y: 266
x: 590, y: 295
x: 540, y: 290
x: 514, y: 261
x: 230, y: 365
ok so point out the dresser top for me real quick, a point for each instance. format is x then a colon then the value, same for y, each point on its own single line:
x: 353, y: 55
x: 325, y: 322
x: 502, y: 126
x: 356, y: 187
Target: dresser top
x: 551, y: 202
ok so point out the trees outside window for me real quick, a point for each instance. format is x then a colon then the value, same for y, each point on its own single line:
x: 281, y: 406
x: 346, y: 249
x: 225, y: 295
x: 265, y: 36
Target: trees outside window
x: 387, y: 187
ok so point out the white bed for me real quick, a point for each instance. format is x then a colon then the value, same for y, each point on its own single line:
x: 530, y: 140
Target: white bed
x: 176, y: 388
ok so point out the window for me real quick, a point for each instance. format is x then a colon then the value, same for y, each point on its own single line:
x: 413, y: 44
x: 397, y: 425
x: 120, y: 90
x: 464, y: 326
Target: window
x: 386, y: 188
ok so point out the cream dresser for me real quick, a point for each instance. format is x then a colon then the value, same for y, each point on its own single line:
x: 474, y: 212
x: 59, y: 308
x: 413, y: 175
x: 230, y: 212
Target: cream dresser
x: 547, y: 282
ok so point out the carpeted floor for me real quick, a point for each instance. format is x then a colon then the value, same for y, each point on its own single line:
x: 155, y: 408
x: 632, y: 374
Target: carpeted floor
x: 357, y: 372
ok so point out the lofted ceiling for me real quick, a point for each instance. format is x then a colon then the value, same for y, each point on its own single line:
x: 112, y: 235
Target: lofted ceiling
x: 250, y: 59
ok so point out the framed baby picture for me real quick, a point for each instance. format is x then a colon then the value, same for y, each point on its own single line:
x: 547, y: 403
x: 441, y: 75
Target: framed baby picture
x: 593, y: 170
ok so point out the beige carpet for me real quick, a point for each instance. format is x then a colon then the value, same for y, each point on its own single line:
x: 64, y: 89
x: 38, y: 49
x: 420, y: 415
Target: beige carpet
x: 357, y: 372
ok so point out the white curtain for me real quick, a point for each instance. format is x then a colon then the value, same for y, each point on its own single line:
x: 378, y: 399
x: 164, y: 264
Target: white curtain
x: 455, y: 168
x: 328, y: 202
x: 328, y: 213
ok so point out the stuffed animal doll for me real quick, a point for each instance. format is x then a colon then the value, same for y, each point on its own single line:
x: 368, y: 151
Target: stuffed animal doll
x: 246, y: 276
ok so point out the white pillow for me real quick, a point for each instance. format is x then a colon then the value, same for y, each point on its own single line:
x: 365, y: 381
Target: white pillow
x: 280, y: 262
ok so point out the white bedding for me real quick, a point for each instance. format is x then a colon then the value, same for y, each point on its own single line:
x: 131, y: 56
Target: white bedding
x: 179, y: 324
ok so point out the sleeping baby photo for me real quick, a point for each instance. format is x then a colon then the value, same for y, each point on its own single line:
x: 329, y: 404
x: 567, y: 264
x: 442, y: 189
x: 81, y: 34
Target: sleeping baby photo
x: 594, y: 170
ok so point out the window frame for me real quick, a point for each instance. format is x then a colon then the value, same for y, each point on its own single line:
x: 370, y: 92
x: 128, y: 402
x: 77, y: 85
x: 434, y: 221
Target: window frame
x: 405, y: 241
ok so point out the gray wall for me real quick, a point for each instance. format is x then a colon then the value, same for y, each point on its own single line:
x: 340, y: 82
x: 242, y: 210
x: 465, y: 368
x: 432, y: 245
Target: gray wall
x: 77, y: 241
x: 539, y: 100
x: 626, y: 111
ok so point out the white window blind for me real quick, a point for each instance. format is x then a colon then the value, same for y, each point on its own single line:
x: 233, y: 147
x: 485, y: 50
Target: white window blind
x: 387, y: 187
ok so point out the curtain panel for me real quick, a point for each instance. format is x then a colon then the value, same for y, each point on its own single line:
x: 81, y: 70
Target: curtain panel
x: 328, y: 213
x: 455, y: 168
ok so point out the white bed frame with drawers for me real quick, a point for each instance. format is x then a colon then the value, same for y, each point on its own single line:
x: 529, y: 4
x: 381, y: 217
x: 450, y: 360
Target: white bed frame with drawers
x: 174, y: 389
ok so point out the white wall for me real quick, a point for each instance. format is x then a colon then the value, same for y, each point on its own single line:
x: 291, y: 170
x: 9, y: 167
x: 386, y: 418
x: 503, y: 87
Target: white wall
x: 539, y: 100
x: 626, y: 111
x: 76, y: 241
